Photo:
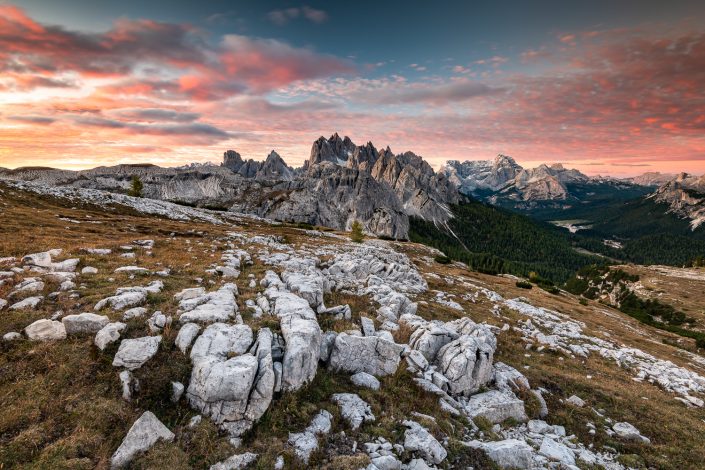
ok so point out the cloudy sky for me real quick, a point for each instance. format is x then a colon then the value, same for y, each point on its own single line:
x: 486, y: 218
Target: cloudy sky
x: 611, y: 87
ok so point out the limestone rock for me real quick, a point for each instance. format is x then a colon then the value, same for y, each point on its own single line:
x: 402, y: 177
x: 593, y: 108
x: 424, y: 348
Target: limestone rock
x: 496, y: 406
x: 430, y: 338
x: 143, y: 434
x: 218, y: 306
x: 187, y: 333
x: 108, y: 334
x: 45, y: 330
x: 302, y: 337
x: 84, y: 323
x: 306, y: 442
x: 133, y: 353
x: 221, y: 340
x: 556, y: 451
x: 418, y: 439
x: 363, y: 379
x: 370, y: 354
x: 467, y: 364
x: 508, y: 454
x: 353, y: 409
x: 30, y: 303
x: 628, y: 432
x: 235, y: 462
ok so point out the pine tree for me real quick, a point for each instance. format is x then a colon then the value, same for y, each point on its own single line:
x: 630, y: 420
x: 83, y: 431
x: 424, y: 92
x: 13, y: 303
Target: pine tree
x: 136, y: 187
x: 356, y: 234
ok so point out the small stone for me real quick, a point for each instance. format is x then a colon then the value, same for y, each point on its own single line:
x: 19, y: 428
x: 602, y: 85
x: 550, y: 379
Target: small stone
x: 177, y: 389
x: 143, y: 434
x: 108, y: 334
x: 363, y: 379
x: 133, y: 353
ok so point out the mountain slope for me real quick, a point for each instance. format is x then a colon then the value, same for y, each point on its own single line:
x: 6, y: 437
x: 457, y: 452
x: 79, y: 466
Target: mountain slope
x: 488, y: 238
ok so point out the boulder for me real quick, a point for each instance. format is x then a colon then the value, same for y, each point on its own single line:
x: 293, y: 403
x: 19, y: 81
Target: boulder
x: 508, y: 378
x: 30, y: 303
x: 12, y: 336
x: 576, y: 401
x: 177, y: 389
x: 353, y: 409
x: 302, y: 337
x: 418, y: 439
x: 84, y: 323
x: 108, y: 334
x: 428, y: 339
x: 133, y: 353
x: 144, y: 433
x: 628, y: 432
x: 135, y: 312
x: 218, y: 306
x: 508, y: 454
x: 467, y: 364
x: 45, y: 330
x: 370, y: 354
x: 220, y: 387
x: 496, y: 406
x: 221, y: 340
x: 557, y: 452
x: 187, y: 333
x: 89, y: 270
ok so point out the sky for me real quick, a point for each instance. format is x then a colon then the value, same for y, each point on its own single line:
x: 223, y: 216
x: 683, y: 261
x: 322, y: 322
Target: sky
x: 608, y: 87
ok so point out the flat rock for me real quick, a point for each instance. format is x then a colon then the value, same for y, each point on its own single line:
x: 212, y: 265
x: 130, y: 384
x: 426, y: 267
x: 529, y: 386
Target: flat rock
x: 236, y: 462
x: 496, y: 406
x: 84, y: 323
x: 30, y: 303
x: 370, y: 354
x: 45, y: 330
x: 218, y: 306
x: 222, y: 340
x: 556, y: 451
x: 508, y: 454
x: 133, y: 353
x: 144, y: 433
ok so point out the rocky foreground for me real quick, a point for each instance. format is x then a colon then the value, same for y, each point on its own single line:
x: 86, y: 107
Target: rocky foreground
x: 386, y: 358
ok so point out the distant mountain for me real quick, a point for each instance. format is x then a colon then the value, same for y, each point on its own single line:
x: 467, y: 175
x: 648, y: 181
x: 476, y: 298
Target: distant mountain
x: 341, y: 182
x: 545, y: 189
x: 685, y: 196
x: 652, y: 178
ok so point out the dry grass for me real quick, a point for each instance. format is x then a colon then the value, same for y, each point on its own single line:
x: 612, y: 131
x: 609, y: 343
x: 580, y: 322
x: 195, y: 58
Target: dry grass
x: 61, y: 405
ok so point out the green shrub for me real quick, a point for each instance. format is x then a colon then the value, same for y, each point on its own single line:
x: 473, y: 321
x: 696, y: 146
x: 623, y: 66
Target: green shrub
x: 356, y: 234
x: 442, y: 259
x: 524, y: 285
x: 136, y: 187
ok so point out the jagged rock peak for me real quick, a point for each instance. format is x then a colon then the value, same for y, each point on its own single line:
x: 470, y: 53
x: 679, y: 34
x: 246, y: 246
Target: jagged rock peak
x: 333, y: 149
x: 274, y: 168
x: 232, y: 160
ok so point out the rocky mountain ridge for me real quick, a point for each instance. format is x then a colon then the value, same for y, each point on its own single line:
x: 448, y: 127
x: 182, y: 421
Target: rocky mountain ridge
x: 685, y: 195
x: 340, y: 183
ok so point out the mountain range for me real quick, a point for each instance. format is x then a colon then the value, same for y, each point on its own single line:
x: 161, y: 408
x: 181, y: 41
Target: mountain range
x: 394, y: 195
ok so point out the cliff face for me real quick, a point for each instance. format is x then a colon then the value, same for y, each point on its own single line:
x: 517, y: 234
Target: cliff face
x: 341, y: 182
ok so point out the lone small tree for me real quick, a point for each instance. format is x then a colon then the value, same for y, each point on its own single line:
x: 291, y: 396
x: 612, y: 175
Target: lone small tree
x: 356, y: 234
x: 136, y: 187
